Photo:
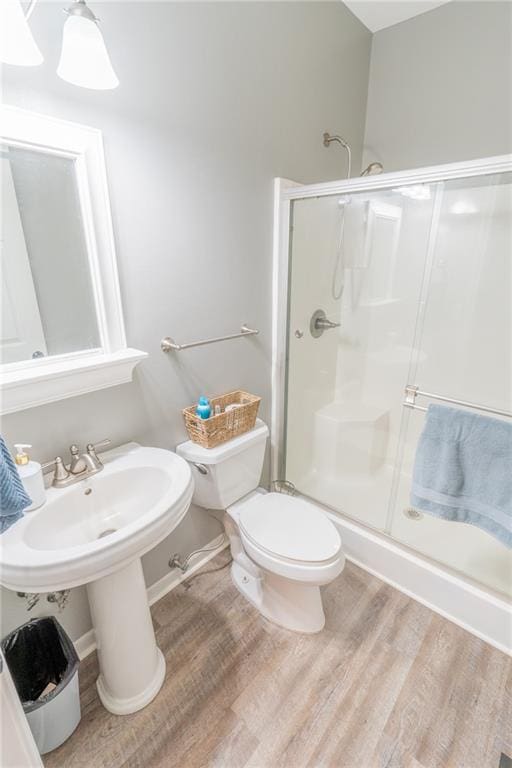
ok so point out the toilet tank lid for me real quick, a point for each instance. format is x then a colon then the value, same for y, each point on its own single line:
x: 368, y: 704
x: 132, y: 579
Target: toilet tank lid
x: 194, y: 452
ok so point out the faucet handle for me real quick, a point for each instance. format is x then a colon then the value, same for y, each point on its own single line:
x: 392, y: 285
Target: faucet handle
x: 93, y: 447
x: 56, y: 464
x: 60, y: 473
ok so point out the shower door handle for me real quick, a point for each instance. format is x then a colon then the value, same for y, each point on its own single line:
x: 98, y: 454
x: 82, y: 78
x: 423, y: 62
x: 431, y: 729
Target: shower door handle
x: 319, y: 323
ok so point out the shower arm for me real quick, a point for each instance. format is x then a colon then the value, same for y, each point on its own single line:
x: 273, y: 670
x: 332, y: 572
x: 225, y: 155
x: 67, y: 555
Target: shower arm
x: 327, y: 141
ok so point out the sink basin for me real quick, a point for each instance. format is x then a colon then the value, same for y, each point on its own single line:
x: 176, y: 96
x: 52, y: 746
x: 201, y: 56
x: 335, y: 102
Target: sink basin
x: 116, y: 501
x: 94, y: 527
x: 94, y: 533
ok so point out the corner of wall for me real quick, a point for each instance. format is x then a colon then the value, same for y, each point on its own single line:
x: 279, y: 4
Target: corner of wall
x: 369, y: 153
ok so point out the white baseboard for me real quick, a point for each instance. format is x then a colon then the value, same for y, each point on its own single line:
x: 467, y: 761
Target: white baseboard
x: 86, y: 644
x: 474, y: 608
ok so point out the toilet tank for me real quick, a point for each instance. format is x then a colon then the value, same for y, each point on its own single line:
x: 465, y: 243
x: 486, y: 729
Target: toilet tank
x: 225, y: 474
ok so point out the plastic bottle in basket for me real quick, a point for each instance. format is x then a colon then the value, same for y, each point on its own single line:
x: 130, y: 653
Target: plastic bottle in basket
x: 204, y: 408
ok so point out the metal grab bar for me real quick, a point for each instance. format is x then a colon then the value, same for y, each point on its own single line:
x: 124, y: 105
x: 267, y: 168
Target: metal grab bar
x: 412, y: 392
x: 169, y: 345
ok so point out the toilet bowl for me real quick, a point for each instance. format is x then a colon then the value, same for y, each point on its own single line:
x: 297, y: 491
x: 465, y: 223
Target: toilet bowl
x: 283, y: 547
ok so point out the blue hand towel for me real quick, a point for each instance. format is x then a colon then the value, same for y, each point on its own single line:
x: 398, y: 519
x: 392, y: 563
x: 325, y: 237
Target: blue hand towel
x: 463, y: 470
x: 13, y: 497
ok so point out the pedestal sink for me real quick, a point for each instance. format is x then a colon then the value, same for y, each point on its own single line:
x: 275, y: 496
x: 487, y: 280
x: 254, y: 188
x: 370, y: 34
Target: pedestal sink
x: 95, y: 533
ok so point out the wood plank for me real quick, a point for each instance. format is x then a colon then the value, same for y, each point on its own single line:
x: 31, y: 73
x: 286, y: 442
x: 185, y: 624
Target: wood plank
x: 388, y: 684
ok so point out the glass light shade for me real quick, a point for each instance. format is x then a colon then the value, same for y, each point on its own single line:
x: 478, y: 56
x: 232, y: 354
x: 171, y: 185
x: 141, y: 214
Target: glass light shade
x: 17, y: 44
x: 84, y: 59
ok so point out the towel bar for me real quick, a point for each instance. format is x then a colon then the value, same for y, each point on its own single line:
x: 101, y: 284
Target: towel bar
x: 168, y: 344
x: 412, y: 392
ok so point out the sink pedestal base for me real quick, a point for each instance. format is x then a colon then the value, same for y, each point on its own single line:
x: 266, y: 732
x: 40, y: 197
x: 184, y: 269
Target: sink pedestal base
x: 132, y: 667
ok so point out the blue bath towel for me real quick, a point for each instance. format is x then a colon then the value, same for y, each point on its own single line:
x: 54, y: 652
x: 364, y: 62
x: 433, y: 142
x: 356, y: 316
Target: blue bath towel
x: 13, y: 498
x: 463, y: 470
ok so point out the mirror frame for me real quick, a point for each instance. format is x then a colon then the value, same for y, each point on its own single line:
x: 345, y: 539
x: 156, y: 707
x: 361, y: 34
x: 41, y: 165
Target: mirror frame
x: 29, y: 383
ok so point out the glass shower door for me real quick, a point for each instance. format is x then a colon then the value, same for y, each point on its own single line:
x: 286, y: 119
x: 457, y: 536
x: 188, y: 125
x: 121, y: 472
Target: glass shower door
x: 414, y: 287
x: 464, y: 339
x: 360, y: 259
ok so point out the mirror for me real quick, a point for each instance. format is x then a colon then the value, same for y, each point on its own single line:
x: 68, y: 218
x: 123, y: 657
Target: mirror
x: 48, y: 305
x: 62, y: 328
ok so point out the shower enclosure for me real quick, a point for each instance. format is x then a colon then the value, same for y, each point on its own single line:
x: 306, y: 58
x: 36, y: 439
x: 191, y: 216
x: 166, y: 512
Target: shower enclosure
x: 392, y: 290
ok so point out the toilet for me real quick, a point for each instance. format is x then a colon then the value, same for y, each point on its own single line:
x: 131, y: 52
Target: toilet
x: 284, y: 548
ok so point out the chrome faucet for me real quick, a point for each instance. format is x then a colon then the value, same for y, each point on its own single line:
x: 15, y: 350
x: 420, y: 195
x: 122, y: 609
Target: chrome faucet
x: 80, y: 466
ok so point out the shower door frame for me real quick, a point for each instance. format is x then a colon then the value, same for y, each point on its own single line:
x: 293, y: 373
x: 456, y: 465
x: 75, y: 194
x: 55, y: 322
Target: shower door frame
x: 287, y: 191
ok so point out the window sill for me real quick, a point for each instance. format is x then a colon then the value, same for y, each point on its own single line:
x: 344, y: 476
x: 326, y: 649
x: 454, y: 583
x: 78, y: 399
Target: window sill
x: 61, y: 379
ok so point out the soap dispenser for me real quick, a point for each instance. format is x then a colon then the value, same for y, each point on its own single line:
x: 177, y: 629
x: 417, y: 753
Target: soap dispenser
x: 31, y: 475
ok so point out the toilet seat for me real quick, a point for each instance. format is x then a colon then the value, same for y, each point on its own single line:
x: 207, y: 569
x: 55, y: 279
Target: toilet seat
x: 290, y: 537
x: 289, y: 528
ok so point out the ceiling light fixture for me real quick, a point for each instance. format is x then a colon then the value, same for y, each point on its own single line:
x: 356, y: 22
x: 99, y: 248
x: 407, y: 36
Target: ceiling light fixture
x: 84, y: 58
x: 17, y: 44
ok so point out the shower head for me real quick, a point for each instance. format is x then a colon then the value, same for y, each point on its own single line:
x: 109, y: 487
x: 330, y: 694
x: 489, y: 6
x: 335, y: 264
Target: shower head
x: 373, y: 169
x: 328, y: 138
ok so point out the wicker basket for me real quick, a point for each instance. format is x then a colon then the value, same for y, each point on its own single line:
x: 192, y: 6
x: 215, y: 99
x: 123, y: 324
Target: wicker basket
x: 226, y: 425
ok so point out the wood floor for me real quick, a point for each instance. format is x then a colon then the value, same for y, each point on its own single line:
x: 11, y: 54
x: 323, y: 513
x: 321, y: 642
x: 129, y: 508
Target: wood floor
x: 388, y: 684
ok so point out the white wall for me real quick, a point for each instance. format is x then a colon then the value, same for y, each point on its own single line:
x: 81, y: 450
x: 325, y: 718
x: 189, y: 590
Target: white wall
x: 215, y: 100
x: 440, y: 87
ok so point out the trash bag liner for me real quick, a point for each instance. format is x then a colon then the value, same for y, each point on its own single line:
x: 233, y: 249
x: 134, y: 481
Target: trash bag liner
x: 37, y: 653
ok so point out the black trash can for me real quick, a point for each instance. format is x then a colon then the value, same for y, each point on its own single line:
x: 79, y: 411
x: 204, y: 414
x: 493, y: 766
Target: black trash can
x: 44, y: 667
